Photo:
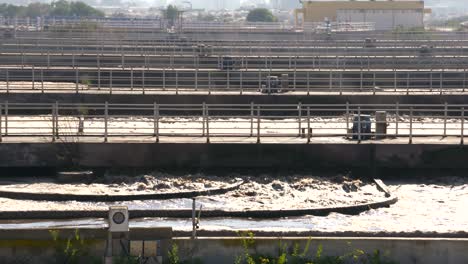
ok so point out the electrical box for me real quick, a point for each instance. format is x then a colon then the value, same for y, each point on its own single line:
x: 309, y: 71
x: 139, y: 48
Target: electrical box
x: 118, y: 219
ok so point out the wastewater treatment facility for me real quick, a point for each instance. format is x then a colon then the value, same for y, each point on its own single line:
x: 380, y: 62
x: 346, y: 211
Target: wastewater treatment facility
x: 267, y: 131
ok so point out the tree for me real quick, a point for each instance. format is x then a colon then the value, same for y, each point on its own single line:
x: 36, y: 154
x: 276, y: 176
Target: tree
x: 261, y: 15
x: 171, y: 13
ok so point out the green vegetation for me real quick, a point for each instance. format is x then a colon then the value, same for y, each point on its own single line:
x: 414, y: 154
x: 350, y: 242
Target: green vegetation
x: 56, y: 8
x: 298, y: 256
x: 261, y: 15
x: 171, y: 13
x: 72, y: 250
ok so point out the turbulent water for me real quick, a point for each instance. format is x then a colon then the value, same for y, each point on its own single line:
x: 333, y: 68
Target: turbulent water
x: 435, y: 204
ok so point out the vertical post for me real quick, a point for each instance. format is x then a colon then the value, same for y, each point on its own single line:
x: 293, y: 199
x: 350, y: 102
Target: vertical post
x: 309, y: 132
x: 411, y: 126
x: 251, y: 118
x: 110, y: 81
x: 106, y: 117
x: 164, y: 79
x: 48, y: 60
x: 6, y: 118
x: 73, y: 60
x: 462, y: 136
x: 209, y: 83
x: 207, y: 114
x: 42, y: 80
x: 308, y: 83
x: 347, y: 119
x: 177, y: 82
x: 53, y: 122
x: 156, y: 122
x: 196, y: 79
x: 203, y: 119
x: 294, y: 84
x: 331, y: 80
x: 299, y: 117
x: 445, y: 118
x: 361, y: 74
x: 32, y: 78
x: 99, y: 76
x: 407, y: 83
x: 441, y: 85
x: 430, y: 80
x: 241, y: 82
x: 397, y: 116
x: 359, y: 124
x: 258, y: 124
x: 259, y: 79
x: 131, y: 79
x: 1, y: 120
x: 464, y: 79
x: 8, y: 81
x: 341, y: 80
x: 194, y: 220
x: 76, y: 80
x: 57, y: 134
x: 143, y: 80
x: 123, y: 61
x: 395, y: 86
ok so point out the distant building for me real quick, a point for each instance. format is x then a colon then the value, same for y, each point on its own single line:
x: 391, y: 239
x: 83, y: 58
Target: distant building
x: 285, y: 4
x: 215, y: 4
x: 384, y: 14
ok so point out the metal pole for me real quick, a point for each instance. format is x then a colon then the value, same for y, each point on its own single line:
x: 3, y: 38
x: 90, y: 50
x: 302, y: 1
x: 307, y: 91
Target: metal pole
x: 308, y: 83
x: 99, y: 77
x: 359, y: 124
x: 76, y: 80
x: 209, y: 83
x: 241, y: 83
x: 462, y: 141
x: 57, y: 119
x: 464, y: 79
x: 411, y: 126
x: 131, y: 79
x: 397, y: 116
x: 445, y: 118
x: 258, y: 124
x: 207, y: 118
x: 331, y: 80
x: 347, y: 118
x: 309, y: 133
x: 156, y: 121
x: 251, y: 118
x: 110, y: 81
x: 8, y: 81
x: 299, y: 117
x: 106, y: 116
x: 53, y: 123
x: 1, y: 119
x: 42, y: 80
x: 6, y: 118
x: 143, y: 80
x: 194, y: 221
x: 33, y: 77
x: 177, y: 82
x: 203, y: 119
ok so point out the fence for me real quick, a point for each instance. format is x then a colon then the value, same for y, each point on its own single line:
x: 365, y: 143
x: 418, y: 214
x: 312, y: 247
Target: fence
x: 71, y: 122
x: 143, y: 80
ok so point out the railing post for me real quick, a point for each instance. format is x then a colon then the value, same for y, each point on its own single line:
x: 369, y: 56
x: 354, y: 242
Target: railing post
x: 430, y: 80
x: 258, y: 124
x: 395, y: 86
x: 207, y: 118
x: 397, y: 117
x: 330, y: 81
x: 309, y: 132
x: 341, y: 82
x: 203, y: 119
x: 196, y: 79
x: 441, y: 81
x: 76, y: 80
x: 241, y: 83
x: 6, y: 118
x: 308, y: 83
x: 106, y: 117
x: 156, y: 122
x: 53, y: 122
x: 164, y: 79
x: 1, y: 120
x: 209, y: 83
x: 445, y: 118
x: 32, y: 78
x: 110, y: 81
x: 131, y: 79
x: 361, y: 74
x: 48, y: 60
x: 359, y: 124
x: 462, y: 140
x: 57, y: 134
x: 251, y: 118
x: 464, y: 79
x: 299, y: 117
x: 411, y: 126
x: 8, y: 81
x: 99, y: 77
x: 347, y: 119
x: 42, y: 80
x: 177, y: 82
x: 143, y: 81
x: 407, y: 83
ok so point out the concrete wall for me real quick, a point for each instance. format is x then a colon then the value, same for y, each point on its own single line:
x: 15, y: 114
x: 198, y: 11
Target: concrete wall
x: 383, y: 19
x: 229, y: 155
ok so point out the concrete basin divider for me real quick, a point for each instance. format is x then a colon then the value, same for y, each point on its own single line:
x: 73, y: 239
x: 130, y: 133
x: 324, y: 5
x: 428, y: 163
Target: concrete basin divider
x: 187, y: 213
x: 58, y: 197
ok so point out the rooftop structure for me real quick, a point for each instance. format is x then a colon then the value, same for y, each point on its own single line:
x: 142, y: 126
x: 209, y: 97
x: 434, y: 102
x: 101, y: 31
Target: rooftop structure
x: 384, y: 14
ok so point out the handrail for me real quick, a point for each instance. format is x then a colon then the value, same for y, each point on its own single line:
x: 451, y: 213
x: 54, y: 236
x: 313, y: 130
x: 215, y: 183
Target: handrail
x: 69, y: 123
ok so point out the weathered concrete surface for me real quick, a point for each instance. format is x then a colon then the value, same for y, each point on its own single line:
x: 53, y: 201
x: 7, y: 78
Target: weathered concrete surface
x: 232, y: 155
x: 424, y: 251
x: 231, y: 98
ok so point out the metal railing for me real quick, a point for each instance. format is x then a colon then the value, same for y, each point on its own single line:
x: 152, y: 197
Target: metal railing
x: 143, y: 80
x: 75, y: 122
